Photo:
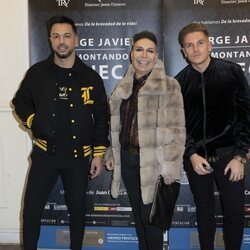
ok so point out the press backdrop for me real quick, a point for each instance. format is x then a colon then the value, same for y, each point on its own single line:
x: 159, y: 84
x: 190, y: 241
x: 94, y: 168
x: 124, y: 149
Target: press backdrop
x: 105, y: 28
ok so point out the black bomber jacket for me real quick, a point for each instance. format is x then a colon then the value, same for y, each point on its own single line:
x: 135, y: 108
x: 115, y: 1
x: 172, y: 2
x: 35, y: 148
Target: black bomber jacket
x: 36, y: 99
x: 217, y: 107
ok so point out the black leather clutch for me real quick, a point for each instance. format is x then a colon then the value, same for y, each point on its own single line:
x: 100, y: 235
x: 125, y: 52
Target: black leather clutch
x: 163, y: 205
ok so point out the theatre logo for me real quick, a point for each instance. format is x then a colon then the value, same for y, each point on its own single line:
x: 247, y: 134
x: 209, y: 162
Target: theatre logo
x: 62, y: 3
x: 199, y: 2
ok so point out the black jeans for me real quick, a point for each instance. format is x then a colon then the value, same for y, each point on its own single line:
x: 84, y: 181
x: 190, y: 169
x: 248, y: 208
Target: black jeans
x: 149, y: 237
x: 232, y: 201
x: 43, y: 175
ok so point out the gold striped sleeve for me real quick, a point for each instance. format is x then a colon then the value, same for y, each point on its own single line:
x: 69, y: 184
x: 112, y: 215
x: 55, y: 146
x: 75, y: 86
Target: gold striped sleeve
x: 28, y: 123
x: 41, y: 144
x: 99, y: 151
x: 86, y: 150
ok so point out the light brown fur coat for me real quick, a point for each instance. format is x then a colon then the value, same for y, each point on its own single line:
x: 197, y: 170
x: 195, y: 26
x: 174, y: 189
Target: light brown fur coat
x: 161, y: 129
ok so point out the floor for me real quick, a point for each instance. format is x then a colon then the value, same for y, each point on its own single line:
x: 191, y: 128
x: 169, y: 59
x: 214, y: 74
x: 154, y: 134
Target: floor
x: 10, y: 247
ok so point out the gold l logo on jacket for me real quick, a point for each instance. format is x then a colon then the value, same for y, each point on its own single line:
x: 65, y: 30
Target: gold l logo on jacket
x: 86, y: 95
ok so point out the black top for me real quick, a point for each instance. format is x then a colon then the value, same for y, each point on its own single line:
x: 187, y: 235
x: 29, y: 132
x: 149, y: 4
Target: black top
x: 215, y: 100
x: 63, y: 142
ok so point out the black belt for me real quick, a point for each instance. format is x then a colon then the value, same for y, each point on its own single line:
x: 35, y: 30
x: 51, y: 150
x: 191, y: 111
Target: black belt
x: 133, y: 150
x: 219, y: 154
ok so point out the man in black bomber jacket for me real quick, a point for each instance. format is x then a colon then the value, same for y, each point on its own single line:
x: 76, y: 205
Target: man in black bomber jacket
x: 217, y: 111
x: 63, y: 102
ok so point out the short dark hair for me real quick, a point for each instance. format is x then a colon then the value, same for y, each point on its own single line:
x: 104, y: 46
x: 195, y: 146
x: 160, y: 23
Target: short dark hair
x: 59, y: 19
x: 144, y: 34
x: 190, y: 28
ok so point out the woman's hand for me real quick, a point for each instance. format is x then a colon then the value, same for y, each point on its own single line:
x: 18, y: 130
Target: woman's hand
x: 109, y: 164
x: 109, y: 159
x: 168, y: 180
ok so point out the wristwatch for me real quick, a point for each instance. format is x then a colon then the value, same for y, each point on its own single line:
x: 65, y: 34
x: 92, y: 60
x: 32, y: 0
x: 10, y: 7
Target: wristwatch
x: 241, y: 159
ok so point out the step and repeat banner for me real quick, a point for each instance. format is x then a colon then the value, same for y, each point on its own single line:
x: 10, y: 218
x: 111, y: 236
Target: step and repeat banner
x: 228, y: 22
x: 105, y: 28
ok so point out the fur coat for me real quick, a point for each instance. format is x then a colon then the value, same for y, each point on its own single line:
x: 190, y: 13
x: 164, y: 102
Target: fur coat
x: 161, y: 129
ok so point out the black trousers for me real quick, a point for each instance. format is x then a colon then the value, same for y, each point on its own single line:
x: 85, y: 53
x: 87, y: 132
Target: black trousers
x: 42, y: 177
x: 232, y: 201
x: 149, y: 237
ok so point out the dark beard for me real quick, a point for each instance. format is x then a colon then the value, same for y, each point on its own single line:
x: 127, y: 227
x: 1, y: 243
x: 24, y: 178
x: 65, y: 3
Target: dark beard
x: 62, y: 56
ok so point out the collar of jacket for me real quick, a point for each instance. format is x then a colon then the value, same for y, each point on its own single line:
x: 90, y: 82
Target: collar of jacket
x: 209, y: 67
x: 152, y: 86
x: 77, y: 67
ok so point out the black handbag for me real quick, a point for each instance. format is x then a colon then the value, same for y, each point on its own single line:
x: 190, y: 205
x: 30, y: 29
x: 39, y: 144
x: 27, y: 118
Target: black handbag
x: 163, y: 205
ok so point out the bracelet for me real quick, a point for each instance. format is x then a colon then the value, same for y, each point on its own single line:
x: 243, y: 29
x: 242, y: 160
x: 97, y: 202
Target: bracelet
x: 241, y: 159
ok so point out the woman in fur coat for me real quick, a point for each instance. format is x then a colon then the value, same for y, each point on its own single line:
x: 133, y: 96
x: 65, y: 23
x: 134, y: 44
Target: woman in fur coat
x: 147, y: 134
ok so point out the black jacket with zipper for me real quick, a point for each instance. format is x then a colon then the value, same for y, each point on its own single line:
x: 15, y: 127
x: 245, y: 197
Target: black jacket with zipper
x: 217, y: 107
x: 36, y: 100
